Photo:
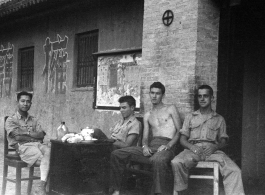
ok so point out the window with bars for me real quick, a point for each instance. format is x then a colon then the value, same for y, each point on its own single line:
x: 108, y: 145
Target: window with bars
x: 26, y: 69
x: 87, y: 44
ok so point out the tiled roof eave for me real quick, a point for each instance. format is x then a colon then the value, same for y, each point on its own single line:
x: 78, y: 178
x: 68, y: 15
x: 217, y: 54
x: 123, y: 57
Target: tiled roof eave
x: 15, y: 5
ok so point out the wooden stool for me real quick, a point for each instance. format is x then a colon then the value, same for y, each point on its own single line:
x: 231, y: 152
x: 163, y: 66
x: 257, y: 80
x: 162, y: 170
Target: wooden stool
x: 214, y: 177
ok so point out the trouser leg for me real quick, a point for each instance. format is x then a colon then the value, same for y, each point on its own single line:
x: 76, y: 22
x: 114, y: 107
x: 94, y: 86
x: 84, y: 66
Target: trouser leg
x: 161, y: 168
x: 45, y: 161
x: 231, y: 173
x: 180, y: 166
x: 119, y: 159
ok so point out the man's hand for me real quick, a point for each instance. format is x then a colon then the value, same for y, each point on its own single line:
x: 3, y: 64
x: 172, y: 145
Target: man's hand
x: 210, y: 149
x: 197, y: 150
x: 163, y: 147
x: 147, y: 151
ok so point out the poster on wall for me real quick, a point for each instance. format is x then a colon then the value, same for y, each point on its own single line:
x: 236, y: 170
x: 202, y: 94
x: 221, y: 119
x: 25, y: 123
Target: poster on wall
x: 117, y: 75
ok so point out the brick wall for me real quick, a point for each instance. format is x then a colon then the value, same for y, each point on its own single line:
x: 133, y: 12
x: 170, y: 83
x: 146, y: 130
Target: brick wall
x: 181, y: 55
x: 207, y: 44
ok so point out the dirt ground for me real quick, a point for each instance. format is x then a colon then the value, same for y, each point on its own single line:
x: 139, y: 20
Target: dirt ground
x: 196, y: 187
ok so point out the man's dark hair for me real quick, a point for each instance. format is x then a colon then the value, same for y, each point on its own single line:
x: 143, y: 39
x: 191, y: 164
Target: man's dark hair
x: 159, y: 86
x: 129, y: 99
x: 206, y: 87
x: 24, y: 93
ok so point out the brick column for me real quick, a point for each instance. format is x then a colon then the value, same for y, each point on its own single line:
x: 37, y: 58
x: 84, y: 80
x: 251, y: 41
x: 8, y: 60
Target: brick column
x: 207, y: 44
x: 175, y: 54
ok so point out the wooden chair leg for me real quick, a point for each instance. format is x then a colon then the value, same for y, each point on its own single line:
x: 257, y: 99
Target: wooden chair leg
x: 31, y: 172
x: 216, y: 179
x: 18, y: 181
x: 4, y: 179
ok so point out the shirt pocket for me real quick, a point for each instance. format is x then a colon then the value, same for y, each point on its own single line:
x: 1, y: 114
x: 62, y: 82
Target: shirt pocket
x: 212, y: 132
x: 195, y: 130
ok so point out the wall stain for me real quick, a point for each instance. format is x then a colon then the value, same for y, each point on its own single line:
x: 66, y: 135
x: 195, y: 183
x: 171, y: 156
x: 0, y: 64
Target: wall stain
x: 6, y: 63
x: 56, y: 59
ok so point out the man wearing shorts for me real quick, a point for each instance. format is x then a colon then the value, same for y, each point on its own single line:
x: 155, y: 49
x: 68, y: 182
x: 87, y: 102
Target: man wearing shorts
x: 25, y: 134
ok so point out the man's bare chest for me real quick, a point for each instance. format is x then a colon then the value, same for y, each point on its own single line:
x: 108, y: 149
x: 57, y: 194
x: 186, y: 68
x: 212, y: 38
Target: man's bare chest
x: 159, y: 119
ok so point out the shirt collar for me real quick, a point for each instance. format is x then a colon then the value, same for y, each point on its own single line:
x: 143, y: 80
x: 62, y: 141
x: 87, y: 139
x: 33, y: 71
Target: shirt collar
x: 131, y: 119
x: 197, y: 112
x: 19, y: 116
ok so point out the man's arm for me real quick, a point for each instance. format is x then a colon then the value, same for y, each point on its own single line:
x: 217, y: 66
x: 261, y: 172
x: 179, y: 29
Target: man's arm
x: 146, y: 129
x: 31, y: 136
x: 195, y: 149
x: 146, y: 150
x: 212, y: 148
x: 222, y: 140
x: 177, y: 122
x: 26, y: 138
x: 15, y: 131
x: 129, y: 141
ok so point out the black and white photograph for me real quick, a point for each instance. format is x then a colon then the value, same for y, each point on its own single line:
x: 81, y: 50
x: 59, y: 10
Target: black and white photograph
x: 132, y: 97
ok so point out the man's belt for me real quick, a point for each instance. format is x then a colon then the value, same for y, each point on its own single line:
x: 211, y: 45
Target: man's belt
x: 201, y: 141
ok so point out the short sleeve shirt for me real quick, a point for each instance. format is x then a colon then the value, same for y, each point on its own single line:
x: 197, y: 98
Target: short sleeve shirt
x: 198, y: 128
x: 18, y: 126
x: 120, y: 131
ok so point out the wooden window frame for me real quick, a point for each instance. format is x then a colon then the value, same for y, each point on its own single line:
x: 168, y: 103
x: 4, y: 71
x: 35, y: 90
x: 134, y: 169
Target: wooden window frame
x: 22, y: 69
x: 81, y: 82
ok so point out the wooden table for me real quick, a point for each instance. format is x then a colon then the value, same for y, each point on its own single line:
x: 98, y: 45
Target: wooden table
x: 79, y: 168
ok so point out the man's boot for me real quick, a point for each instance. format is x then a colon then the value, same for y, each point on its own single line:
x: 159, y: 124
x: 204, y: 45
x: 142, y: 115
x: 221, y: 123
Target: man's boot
x: 39, y: 188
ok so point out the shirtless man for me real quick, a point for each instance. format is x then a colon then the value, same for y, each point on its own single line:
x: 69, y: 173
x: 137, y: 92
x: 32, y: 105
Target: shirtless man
x: 164, y: 122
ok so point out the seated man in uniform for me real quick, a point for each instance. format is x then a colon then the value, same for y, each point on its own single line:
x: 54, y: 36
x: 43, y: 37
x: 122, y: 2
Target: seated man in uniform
x: 163, y: 121
x: 25, y: 134
x: 126, y: 131
x: 203, y: 135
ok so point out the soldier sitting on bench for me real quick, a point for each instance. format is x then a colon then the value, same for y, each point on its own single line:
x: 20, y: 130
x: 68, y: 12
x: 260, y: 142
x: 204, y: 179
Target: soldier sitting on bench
x: 203, y: 135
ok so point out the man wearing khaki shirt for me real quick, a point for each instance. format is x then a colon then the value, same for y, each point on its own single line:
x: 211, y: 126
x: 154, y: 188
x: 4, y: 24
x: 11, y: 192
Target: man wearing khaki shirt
x: 25, y: 134
x: 203, y: 135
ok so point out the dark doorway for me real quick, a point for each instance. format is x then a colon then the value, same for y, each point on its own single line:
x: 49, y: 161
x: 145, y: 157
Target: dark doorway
x: 241, y: 85
x: 230, y: 77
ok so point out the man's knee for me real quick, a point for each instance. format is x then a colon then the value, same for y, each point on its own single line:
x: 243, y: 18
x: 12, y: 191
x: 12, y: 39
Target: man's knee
x: 235, y: 169
x: 159, y: 160
x: 117, y: 154
x: 176, y: 161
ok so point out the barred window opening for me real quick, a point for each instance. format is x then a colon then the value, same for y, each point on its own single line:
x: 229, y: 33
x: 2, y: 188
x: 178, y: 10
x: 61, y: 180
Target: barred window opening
x: 86, y: 64
x: 26, y: 69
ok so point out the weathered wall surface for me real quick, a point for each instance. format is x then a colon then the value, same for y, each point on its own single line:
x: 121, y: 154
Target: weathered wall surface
x: 55, y: 100
x: 174, y: 55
